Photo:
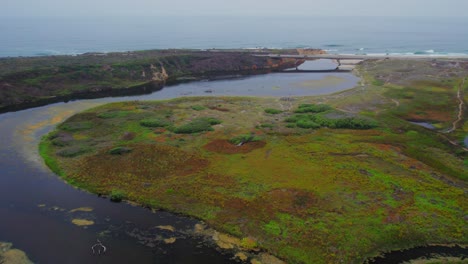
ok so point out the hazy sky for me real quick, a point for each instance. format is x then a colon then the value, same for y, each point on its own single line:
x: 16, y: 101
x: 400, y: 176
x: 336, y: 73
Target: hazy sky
x: 235, y: 7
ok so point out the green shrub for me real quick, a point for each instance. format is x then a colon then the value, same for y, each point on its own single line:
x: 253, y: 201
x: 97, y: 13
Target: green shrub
x: 311, y: 108
x: 293, y: 119
x: 198, y: 107
x: 242, y: 139
x: 273, y: 111
x: 305, y: 123
x: 119, y: 150
x: 117, y: 195
x: 154, y: 122
x: 200, y: 124
x: 318, y: 120
x: 354, y: 123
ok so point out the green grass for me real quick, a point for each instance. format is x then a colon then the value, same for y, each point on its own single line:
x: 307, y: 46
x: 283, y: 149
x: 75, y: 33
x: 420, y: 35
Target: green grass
x: 45, y: 150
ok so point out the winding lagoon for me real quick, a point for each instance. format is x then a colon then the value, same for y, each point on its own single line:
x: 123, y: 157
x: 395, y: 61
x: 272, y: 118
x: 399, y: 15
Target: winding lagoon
x: 38, y: 209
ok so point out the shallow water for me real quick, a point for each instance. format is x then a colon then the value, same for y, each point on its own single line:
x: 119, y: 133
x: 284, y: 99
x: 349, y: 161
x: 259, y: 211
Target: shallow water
x: 424, y: 124
x: 35, y: 205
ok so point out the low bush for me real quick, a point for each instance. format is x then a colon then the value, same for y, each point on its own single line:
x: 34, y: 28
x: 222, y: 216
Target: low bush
x: 311, y: 108
x: 317, y: 121
x: 273, y: 111
x: 117, y: 195
x: 304, y: 123
x: 197, y: 125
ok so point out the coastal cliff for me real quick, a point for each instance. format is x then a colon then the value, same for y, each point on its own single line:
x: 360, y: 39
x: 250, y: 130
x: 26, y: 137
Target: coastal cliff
x: 27, y: 82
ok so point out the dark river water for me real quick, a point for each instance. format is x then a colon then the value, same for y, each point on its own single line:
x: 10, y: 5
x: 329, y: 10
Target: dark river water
x: 36, y: 207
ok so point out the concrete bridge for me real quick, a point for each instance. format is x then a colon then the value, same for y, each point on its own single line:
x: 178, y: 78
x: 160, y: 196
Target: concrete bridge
x: 364, y: 57
x: 346, y: 63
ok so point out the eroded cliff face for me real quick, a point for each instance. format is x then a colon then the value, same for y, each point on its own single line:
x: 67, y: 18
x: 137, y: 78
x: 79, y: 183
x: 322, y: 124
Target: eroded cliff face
x: 97, y: 75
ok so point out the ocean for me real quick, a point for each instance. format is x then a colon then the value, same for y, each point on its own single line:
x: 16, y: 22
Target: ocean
x: 38, y: 36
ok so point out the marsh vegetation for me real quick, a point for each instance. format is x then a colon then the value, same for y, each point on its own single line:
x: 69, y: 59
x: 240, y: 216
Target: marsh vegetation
x: 323, y: 179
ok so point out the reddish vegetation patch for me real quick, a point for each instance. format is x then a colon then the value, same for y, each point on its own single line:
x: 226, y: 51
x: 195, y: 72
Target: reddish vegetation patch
x: 128, y: 136
x: 160, y: 138
x: 217, y: 180
x: 219, y: 109
x: 225, y: 147
x: 144, y: 162
x: 430, y: 115
x: 388, y: 147
x: 292, y: 201
x: 159, y: 130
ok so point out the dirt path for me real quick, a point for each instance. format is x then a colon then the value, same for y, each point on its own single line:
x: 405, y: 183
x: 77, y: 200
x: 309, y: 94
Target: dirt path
x: 460, y: 107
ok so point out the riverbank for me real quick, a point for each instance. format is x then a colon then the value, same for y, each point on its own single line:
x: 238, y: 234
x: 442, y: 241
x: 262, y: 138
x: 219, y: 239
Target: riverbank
x: 377, y: 186
x: 33, y: 81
